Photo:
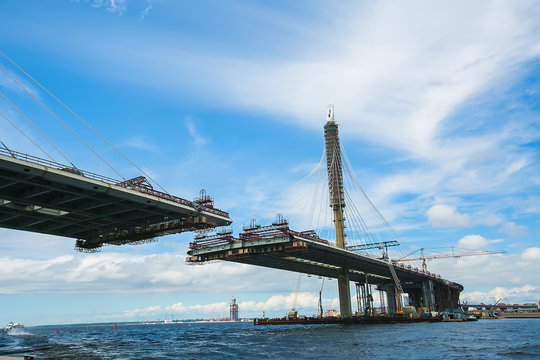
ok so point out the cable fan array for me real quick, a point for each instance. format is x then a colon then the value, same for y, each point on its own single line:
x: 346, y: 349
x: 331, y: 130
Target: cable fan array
x: 45, y: 106
x: 306, y: 206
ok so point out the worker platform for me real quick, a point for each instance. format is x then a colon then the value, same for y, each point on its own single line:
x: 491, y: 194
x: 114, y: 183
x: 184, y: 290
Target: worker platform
x: 47, y: 197
x: 278, y: 247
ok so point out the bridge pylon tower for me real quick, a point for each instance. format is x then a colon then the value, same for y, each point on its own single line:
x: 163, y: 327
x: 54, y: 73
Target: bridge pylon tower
x: 337, y: 203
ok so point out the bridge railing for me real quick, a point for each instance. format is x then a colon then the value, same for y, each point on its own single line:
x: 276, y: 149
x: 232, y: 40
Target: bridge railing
x: 52, y: 164
x: 207, y: 207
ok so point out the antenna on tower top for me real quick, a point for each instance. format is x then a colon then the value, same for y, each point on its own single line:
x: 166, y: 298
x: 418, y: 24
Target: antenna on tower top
x: 330, y: 113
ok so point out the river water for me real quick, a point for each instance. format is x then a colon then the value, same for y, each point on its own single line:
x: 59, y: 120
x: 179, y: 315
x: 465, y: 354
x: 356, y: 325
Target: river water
x: 484, y: 339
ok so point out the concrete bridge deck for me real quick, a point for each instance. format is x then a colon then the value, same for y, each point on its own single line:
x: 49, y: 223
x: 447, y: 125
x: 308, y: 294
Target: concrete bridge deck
x: 304, y: 253
x: 300, y: 254
x: 46, y: 197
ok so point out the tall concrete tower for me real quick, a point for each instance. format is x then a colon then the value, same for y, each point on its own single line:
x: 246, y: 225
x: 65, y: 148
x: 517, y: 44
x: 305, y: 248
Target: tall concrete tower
x: 337, y: 203
x: 233, y: 314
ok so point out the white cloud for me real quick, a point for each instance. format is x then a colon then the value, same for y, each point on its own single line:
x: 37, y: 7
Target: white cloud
x: 393, y: 71
x: 147, y: 9
x: 279, y: 305
x: 138, y: 142
x: 113, y: 6
x: 6, y: 83
x: 473, y: 242
x: 476, y: 242
x: 13, y: 243
x: 14, y: 82
x: 441, y: 216
x: 447, y: 216
x: 178, y: 310
x: 144, y: 312
x: 395, y: 74
x: 120, y: 273
x: 512, y: 229
x: 199, y: 140
x: 523, y: 294
x: 490, y: 220
x: 532, y: 253
x: 396, y: 59
x: 482, y: 274
x: 306, y: 303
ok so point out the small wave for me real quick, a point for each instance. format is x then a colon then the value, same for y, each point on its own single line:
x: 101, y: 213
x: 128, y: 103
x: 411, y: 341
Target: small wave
x: 515, y: 354
x: 19, y: 332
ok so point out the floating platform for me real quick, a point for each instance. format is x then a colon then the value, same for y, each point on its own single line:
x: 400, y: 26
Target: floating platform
x: 520, y: 315
x: 351, y: 320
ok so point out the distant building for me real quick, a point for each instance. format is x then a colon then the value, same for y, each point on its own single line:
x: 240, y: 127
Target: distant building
x: 233, y: 310
x: 331, y: 313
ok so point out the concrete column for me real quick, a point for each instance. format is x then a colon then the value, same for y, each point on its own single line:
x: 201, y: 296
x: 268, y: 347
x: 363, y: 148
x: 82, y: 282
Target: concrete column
x: 390, y: 298
x: 344, y: 290
x: 427, y: 295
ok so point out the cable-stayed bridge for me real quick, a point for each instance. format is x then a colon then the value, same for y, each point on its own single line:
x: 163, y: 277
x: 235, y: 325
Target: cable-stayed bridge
x: 58, y: 198
x: 347, y: 257
x: 50, y: 198
x: 277, y: 246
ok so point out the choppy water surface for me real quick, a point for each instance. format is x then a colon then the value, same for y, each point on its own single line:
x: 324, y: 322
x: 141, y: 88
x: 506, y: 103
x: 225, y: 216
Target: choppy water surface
x: 487, y: 339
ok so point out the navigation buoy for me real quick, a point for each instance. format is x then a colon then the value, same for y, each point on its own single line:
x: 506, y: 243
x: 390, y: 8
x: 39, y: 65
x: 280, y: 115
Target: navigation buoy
x: 115, y: 327
x: 57, y: 331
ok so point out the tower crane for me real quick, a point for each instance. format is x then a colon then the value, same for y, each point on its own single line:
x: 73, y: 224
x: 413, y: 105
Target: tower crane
x: 444, y: 256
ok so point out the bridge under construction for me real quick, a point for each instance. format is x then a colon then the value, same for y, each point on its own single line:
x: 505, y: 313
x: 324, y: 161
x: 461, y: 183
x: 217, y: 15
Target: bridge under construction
x: 277, y: 246
x: 42, y: 196
x: 49, y: 197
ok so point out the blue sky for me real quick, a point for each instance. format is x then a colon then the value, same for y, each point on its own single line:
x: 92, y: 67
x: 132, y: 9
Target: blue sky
x: 438, y: 107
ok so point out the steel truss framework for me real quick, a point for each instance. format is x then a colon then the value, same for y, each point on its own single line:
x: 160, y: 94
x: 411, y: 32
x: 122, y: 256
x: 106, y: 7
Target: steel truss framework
x: 45, y: 197
x: 276, y: 246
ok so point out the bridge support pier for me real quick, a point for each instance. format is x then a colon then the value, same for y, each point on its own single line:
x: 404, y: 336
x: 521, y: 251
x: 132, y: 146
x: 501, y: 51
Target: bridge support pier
x: 427, y: 295
x: 344, y: 291
x: 364, y: 298
x: 390, y: 298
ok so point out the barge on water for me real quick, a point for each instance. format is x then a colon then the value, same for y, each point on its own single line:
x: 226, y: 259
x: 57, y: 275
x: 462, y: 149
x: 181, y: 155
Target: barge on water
x: 381, y: 319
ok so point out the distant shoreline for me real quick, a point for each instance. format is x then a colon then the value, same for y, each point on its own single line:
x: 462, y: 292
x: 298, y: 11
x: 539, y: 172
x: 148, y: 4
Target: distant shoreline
x: 150, y: 322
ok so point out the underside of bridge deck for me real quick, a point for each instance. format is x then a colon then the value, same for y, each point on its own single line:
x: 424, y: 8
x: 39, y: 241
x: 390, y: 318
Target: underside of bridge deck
x: 45, y: 197
x: 302, y: 254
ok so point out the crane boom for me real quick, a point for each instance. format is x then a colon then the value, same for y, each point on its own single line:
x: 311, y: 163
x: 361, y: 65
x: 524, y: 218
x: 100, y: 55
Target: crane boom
x: 396, y: 280
x: 399, y: 289
x: 442, y: 256
x: 445, y: 256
